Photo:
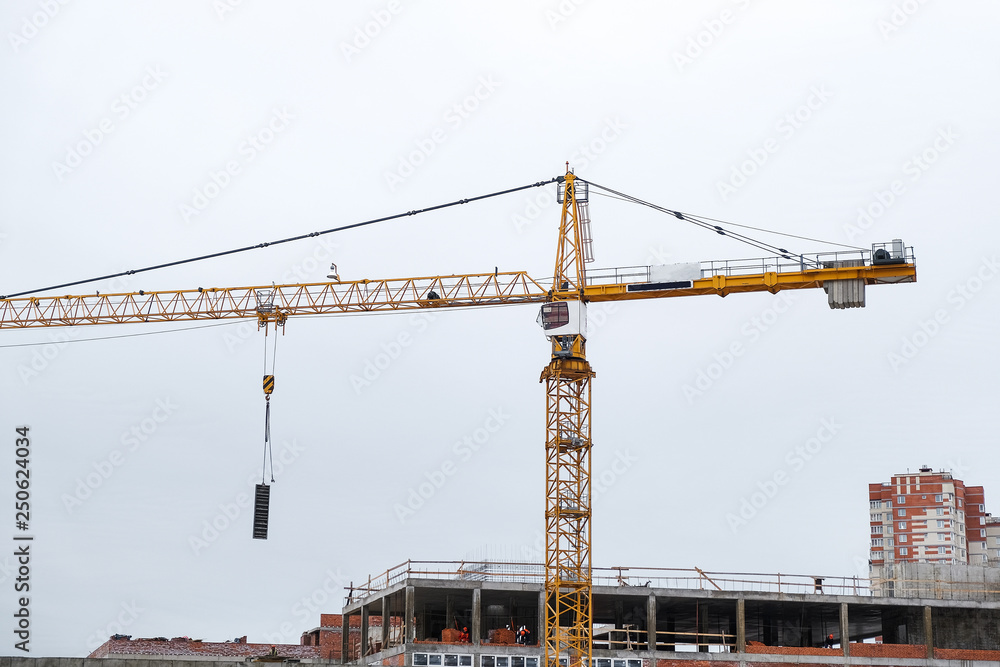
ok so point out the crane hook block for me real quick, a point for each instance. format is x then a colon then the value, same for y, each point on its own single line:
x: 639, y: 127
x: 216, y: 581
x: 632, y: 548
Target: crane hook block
x: 268, y: 384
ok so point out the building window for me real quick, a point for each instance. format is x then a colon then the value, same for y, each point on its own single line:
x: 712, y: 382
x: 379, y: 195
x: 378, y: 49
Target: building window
x: 902, y: 525
x: 938, y: 498
x: 902, y: 551
x: 877, y: 542
x: 876, y: 530
x: 902, y: 538
x: 939, y: 511
x: 874, y: 504
x: 940, y: 523
x: 900, y: 500
x: 982, y: 508
x: 982, y: 532
x: 959, y: 502
x: 900, y: 512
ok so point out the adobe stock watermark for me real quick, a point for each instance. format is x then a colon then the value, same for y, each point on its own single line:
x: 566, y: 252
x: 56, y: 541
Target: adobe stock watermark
x: 43, y: 356
x: 310, y: 269
x: 375, y: 366
x: 305, y: 610
x: 710, y: 32
x: 220, y: 179
x: 602, y: 482
x: 927, y: 329
x: 795, y: 460
x: 135, y: 437
x: 462, y: 451
x: 913, y: 169
x: 453, y: 118
x: 32, y: 25
x: 224, y: 7
x: 750, y: 333
x: 900, y: 15
x: 367, y: 33
x: 583, y: 156
x: 230, y: 512
x: 786, y: 127
x: 124, y: 619
x: 562, y: 12
x: 121, y: 109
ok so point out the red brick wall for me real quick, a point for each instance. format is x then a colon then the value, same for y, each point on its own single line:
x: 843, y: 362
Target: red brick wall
x: 859, y: 650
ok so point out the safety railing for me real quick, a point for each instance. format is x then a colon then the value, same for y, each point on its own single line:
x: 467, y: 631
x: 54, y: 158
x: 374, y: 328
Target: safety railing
x: 785, y: 263
x: 637, y: 577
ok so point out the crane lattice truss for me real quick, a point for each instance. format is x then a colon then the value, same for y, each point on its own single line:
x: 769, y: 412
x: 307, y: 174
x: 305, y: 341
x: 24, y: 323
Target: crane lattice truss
x: 567, y: 377
x: 363, y: 296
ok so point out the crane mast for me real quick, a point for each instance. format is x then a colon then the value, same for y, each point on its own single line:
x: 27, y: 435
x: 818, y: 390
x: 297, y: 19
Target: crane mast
x: 568, y: 610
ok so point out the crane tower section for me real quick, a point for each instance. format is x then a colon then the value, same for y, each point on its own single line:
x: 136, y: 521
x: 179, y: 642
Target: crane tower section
x: 568, y: 610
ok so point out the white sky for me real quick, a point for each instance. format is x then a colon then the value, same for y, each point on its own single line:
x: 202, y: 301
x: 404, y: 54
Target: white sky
x: 602, y: 84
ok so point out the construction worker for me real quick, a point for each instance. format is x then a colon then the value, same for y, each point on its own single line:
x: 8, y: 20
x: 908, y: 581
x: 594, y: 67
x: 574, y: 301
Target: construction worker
x: 464, y: 637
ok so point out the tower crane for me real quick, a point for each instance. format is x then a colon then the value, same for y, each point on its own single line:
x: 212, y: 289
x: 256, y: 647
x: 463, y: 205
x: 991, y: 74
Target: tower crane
x: 567, y: 376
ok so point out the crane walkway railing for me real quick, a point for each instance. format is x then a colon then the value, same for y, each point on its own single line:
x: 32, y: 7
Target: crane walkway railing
x: 787, y: 263
x: 619, y: 577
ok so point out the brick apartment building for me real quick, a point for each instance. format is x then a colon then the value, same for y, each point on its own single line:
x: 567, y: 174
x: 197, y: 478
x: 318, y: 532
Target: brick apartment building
x: 930, y: 517
x: 321, y: 643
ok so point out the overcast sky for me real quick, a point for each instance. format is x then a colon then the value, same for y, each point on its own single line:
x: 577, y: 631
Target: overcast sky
x: 137, y: 133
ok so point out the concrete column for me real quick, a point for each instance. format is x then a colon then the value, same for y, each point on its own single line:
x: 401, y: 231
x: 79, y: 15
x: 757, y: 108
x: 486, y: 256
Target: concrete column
x: 619, y: 624
x: 477, y: 616
x: 699, y: 627
x: 385, y: 622
x: 410, y: 618
x: 364, y: 630
x: 845, y: 638
x: 345, y: 638
x: 449, y: 611
x: 741, y: 625
x: 651, y: 622
x: 929, y: 633
x: 541, y: 618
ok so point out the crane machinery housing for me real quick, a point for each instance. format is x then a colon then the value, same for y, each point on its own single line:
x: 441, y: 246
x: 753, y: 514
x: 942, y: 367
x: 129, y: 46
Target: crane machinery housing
x: 567, y: 376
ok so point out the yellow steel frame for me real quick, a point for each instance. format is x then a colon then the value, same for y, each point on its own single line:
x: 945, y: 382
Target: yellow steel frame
x: 568, y: 607
x: 218, y: 303
x: 304, y: 299
x: 569, y: 274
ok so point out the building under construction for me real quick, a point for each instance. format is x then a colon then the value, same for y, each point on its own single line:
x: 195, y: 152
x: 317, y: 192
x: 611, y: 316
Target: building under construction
x: 462, y: 614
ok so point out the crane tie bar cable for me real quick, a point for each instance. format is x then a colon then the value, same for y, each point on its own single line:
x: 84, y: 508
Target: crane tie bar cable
x: 285, y: 240
x: 703, y: 222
